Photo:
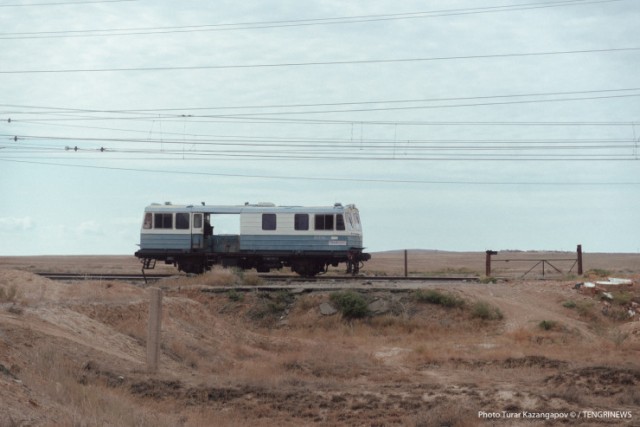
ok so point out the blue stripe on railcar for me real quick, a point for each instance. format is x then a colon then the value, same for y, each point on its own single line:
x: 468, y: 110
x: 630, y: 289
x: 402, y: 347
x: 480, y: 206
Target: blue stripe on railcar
x: 299, y: 243
x: 165, y: 241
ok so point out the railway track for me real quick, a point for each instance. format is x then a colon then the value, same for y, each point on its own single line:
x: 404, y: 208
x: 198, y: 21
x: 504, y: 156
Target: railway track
x: 290, y: 283
x: 267, y: 277
x: 101, y: 276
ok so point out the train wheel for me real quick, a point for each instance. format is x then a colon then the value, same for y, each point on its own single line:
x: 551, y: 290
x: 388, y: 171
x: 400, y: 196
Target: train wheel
x: 308, y: 268
x: 191, y: 266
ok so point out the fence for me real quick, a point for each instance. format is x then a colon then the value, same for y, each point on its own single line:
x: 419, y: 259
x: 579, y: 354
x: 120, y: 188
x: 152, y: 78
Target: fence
x: 545, y: 263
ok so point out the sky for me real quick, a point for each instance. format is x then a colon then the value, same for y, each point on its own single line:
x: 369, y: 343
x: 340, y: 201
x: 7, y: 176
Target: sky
x: 457, y: 125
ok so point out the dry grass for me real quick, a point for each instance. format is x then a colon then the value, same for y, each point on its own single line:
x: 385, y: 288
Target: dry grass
x: 216, y: 277
x: 10, y: 294
x: 273, y: 359
x: 83, y: 400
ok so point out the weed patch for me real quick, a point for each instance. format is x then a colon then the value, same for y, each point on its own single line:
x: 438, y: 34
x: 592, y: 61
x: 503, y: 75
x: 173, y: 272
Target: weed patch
x: 351, y: 304
x: 485, y: 311
x: 617, y: 314
x: 9, y: 295
x: 599, y: 272
x: 439, y: 298
x: 251, y: 279
x: 220, y: 277
x: 235, y: 296
x: 621, y: 298
x: 586, y: 309
x: 270, y: 306
x: 548, y: 325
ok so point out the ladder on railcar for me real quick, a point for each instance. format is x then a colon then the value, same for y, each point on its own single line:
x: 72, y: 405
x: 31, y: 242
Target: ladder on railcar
x: 147, y: 264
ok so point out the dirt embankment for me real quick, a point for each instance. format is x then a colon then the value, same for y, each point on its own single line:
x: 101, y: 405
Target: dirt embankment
x: 74, y: 354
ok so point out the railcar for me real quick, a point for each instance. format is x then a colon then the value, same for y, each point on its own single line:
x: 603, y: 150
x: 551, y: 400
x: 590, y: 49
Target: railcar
x: 306, y: 239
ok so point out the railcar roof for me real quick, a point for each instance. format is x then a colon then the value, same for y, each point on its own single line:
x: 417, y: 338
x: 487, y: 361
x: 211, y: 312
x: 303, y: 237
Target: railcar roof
x: 237, y: 209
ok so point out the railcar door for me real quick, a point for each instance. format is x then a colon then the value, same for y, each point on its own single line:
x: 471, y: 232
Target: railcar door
x: 197, y: 232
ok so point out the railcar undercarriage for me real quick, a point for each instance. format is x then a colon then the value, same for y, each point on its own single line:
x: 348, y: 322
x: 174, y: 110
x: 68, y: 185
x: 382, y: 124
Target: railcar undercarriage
x: 307, y: 265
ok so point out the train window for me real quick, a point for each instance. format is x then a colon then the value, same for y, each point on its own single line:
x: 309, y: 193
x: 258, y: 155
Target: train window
x: 339, y: 222
x: 148, y: 219
x: 268, y: 221
x: 350, y: 219
x: 163, y: 220
x: 182, y: 221
x: 301, y: 221
x: 324, y: 222
x: 197, y: 220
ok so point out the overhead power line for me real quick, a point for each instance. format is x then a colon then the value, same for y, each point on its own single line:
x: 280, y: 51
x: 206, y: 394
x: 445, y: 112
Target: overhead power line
x: 63, y: 3
x: 343, y: 20
x: 183, y: 111
x: 319, y: 149
x: 325, y: 63
x: 331, y: 122
x: 420, y: 107
x: 329, y: 179
x: 290, y: 141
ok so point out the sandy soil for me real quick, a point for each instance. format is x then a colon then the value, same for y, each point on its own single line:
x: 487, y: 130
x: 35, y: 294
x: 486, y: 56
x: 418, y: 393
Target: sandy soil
x: 74, y: 353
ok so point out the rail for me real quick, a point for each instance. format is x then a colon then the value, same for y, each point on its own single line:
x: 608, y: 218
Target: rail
x: 272, y: 277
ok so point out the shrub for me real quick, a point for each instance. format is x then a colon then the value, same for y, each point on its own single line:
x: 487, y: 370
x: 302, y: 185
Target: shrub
x: 585, y: 308
x: 235, y: 296
x: 271, y: 306
x: 219, y: 277
x: 278, y: 302
x: 251, y: 279
x: 485, y: 311
x: 619, y: 314
x: 351, y: 304
x: 438, y: 298
x: 8, y: 295
x: 600, y: 272
x: 569, y: 304
x: 621, y: 298
x: 547, y: 325
x: 618, y: 337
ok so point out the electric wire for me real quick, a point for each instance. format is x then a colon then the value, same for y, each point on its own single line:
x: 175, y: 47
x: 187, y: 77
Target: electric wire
x: 322, y: 63
x: 329, y: 179
x: 66, y: 3
x: 59, y: 110
x: 289, y: 23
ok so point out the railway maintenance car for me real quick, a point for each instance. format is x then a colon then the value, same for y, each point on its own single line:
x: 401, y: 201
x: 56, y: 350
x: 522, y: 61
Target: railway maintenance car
x: 307, y: 239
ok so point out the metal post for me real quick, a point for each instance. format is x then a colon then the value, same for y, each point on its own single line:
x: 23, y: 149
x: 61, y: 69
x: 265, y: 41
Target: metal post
x: 153, y: 333
x: 579, y: 251
x: 487, y: 269
x: 406, y: 270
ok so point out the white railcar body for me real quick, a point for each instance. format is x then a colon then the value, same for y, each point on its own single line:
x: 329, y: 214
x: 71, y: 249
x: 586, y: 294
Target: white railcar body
x: 307, y: 239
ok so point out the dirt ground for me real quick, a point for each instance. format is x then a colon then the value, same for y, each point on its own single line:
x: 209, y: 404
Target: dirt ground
x: 511, y: 264
x: 463, y: 354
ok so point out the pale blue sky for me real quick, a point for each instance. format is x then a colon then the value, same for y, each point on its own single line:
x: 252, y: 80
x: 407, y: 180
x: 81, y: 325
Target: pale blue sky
x: 496, y: 125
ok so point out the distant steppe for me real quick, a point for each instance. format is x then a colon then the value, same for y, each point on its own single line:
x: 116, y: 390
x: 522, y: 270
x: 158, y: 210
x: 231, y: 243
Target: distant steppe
x: 419, y: 262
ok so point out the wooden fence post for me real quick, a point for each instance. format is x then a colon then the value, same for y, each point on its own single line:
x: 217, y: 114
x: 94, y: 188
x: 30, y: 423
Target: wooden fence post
x: 406, y: 270
x: 153, y: 332
x: 579, y: 251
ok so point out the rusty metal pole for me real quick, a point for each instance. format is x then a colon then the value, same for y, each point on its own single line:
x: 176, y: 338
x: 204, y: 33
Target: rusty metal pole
x: 579, y: 253
x: 487, y: 269
x: 406, y: 269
